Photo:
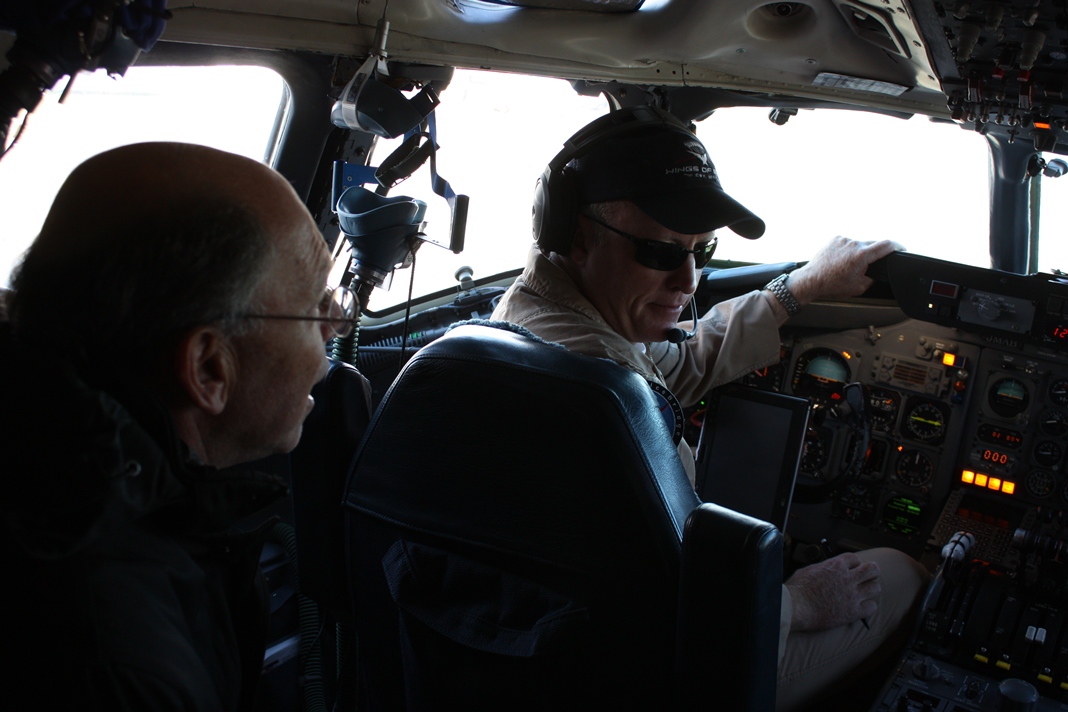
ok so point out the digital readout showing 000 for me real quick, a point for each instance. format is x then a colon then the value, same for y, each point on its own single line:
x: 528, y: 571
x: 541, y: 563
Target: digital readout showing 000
x: 995, y: 457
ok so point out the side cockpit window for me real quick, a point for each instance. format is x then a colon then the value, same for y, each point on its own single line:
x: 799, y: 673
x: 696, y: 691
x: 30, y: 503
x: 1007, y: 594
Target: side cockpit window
x: 236, y: 109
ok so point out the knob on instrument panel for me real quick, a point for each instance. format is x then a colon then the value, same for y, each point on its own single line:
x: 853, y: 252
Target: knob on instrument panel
x: 1016, y: 696
x: 926, y: 669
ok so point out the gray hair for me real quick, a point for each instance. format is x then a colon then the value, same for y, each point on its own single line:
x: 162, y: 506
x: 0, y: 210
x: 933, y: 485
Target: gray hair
x: 124, y: 304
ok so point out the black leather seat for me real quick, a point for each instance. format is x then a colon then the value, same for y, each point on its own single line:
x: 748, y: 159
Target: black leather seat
x: 311, y: 653
x: 319, y: 469
x: 515, y: 524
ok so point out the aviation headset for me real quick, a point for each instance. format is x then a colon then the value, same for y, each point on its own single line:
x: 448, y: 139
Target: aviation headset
x: 555, y: 211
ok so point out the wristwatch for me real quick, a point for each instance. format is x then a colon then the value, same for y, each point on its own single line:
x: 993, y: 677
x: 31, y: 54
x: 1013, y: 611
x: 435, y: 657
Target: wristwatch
x: 778, y: 287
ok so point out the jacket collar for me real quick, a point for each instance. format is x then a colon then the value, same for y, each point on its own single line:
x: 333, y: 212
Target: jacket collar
x: 84, y: 460
x: 550, y: 281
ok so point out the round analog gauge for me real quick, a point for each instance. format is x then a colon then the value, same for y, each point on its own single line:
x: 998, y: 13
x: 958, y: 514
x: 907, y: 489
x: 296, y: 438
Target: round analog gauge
x: 882, y: 408
x: 815, y: 453
x: 820, y: 374
x: 1047, y: 453
x: 1058, y: 392
x: 1054, y: 423
x: 1008, y: 397
x: 1040, y: 483
x: 914, y: 468
x: 926, y: 421
x: 1064, y: 492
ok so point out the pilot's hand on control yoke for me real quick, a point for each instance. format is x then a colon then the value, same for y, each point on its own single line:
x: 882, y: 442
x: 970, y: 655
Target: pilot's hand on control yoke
x: 838, y: 270
x: 834, y: 592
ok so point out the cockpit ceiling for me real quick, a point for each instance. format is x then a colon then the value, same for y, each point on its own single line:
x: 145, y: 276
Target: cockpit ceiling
x: 586, y: 5
x: 866, y: 52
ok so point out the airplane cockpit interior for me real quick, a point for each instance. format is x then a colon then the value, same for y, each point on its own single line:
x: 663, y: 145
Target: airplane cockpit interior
x: 928, y: 415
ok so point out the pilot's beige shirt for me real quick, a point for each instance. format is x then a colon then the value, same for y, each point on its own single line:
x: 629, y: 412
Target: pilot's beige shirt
x: 733, y: 338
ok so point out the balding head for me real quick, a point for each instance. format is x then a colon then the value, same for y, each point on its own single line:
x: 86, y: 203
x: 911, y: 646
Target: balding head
x: 137, y: 185
x: 145, y: 241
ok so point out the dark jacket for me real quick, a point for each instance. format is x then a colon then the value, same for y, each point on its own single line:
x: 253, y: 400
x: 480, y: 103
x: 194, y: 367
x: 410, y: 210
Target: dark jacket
x: 128, y: 586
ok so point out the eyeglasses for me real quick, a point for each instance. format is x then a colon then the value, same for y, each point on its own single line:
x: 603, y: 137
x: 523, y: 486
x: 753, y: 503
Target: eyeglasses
x: 660, y: 255
x: 339, y: 307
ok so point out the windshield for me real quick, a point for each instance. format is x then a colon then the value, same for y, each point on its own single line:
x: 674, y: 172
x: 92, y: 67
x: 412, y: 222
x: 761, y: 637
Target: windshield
x: 496, y: 133
x: 865, y: 176
x: 823, y: 173
x: 1053, y: 219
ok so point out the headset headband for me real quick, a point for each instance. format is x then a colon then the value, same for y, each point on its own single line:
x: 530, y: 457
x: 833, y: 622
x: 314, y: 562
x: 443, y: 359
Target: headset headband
x: 610, y: 125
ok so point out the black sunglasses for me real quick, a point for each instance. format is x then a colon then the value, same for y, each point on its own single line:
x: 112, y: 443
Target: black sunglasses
x: 659, y: 255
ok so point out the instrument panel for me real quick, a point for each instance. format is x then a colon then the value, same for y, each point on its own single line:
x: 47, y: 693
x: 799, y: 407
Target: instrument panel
x: 919, y: 380
x: 962, y: 405
x: 967, y: 423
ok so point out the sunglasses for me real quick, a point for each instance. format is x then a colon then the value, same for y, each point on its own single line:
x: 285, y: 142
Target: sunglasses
x: 660, y: 255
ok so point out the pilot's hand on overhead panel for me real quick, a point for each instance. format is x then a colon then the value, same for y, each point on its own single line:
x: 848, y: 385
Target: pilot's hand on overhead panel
x: 834, y: 592
x: 838, y: 270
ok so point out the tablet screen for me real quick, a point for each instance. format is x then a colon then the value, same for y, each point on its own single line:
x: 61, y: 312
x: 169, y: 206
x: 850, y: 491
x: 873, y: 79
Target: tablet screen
x: 749, y: 451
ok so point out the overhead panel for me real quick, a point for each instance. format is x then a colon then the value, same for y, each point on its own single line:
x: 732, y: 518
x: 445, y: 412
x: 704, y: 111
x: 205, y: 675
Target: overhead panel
x: 1005, y: 69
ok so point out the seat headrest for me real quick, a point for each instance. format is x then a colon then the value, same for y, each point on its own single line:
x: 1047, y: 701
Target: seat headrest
x: 506, y: 419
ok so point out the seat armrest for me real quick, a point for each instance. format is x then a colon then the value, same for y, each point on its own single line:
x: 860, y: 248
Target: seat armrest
x: 730, y: 597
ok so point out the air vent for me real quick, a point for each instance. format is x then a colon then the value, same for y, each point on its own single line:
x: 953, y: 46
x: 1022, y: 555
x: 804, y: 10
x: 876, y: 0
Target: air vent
x: 780, y: 21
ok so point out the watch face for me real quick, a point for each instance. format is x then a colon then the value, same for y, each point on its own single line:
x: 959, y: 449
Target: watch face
x: 670, y: 410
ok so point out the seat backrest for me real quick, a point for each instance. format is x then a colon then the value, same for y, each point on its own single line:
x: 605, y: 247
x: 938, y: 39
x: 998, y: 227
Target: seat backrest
x: 319, y: 468
x: 309, y: 658
x: 514, y: 522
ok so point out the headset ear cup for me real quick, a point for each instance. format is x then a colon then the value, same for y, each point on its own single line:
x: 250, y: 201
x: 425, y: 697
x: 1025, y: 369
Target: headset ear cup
x: 565, y: 210
x: 554, y: 212
x: 539, y: 212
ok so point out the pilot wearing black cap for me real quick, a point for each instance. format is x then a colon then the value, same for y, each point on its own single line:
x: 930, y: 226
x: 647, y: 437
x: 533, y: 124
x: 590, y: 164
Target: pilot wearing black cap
x: 664, y: 169
x: 624, y: 218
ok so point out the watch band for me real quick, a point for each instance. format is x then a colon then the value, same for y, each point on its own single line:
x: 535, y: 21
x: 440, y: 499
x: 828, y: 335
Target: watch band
x: 778, y: 287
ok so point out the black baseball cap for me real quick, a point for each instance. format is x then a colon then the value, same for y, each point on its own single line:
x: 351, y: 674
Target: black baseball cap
x: 666, y: 171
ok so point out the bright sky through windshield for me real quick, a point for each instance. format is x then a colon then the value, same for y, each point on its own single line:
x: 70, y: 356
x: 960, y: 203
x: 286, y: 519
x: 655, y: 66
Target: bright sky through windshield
x: 231, y: 108
x: 824, y: 173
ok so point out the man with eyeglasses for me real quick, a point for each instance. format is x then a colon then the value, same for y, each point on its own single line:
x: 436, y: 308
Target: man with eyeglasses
x: 624, y: 218
x: 168, y: 322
